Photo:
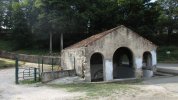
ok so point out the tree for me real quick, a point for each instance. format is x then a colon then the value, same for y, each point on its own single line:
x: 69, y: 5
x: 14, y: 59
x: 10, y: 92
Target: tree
x: 139, y: 15
x: 8, y: 15
x: 21, y: 35
x: 57, y: 17
x: 3, y: 10
x: 169, y: 16
x: 97, y: 14
x: 48, y: 19
x: 43, y: 22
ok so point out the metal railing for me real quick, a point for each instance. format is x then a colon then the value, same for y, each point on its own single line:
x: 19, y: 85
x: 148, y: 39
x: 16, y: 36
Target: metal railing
x: 29, y: 73
x: 26, y: 73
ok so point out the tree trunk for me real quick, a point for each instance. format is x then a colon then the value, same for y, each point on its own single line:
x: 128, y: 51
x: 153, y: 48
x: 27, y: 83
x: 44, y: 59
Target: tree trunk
x: 61, y: 43
x: 50, y: 42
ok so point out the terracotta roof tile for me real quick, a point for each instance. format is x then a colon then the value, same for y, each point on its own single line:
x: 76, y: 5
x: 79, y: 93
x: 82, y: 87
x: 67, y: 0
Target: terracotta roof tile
x: 96, y: 37
x: 91, y: 39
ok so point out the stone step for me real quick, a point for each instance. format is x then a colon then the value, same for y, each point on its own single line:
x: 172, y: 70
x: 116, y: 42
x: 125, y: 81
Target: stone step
x: 168, y: 70
x: 162, y: 74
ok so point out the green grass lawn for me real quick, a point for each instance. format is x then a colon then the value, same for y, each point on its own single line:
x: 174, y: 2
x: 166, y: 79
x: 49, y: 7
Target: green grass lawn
x: 93, y: 90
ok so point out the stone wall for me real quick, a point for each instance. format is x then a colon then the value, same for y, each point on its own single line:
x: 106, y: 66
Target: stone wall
x: 30, y: 58
x: 49, y: 76
x: 107, y: 46
x: 74, y: 59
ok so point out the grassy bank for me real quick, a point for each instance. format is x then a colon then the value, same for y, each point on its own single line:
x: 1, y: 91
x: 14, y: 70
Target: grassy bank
x: 168, y: 58
x: 8, y: 46
x: 6, y: 63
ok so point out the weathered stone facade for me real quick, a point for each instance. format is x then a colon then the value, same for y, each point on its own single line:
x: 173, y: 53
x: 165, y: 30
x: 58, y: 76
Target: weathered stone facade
x: 121, y: 39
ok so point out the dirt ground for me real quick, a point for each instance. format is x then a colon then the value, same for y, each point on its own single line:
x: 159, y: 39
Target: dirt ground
x: 10, y: 91
x: 152, y: 89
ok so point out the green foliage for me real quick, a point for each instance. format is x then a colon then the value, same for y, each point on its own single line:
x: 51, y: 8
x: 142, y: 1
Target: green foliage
x: 9, y: 46
x: 3, y: 10
x: 140, y: 15
x: 31, y: 21
x: 21, y: 35
x: 164, y: 57
x: 168, y: 21
x: 6, y: 45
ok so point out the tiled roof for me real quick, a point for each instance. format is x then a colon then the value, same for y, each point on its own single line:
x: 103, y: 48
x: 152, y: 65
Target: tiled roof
x: 91, y: 39
x: 98, y: 36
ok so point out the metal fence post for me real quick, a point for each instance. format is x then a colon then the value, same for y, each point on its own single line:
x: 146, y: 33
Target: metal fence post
x: 16, y: 71
x: 39, y: 71
x: 35, y: 74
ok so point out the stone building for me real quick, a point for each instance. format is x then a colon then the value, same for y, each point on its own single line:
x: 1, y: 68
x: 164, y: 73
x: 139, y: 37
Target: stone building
x: 118, y: 53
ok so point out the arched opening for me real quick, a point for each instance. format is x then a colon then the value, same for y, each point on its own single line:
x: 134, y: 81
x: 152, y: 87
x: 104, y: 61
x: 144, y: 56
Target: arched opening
x: 147, y: 59
x: 123, y: 64
x: 96, y: 67
x: 147, y: 65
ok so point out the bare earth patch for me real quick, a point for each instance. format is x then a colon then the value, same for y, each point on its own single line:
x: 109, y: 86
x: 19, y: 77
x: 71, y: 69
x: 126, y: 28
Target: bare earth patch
x: 10, y: 91
x: 153, y: 89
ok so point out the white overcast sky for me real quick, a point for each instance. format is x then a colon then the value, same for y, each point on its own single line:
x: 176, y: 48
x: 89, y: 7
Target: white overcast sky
x: 153, y: 0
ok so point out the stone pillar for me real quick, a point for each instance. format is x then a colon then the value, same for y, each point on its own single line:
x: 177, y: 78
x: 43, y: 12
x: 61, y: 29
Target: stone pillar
x: 154, y: 60
x: 108, y: 70
x: 87, y: 73
x: 138, y: 67
x: 138, y: 73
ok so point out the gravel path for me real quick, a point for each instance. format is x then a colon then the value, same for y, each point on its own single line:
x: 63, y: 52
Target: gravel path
x: 10, y: 91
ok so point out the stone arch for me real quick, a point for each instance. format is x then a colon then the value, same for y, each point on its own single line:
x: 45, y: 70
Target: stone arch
x: 147, y: 65
x: 147, y: 59
x: 123, y: 63
x: 96, y: 67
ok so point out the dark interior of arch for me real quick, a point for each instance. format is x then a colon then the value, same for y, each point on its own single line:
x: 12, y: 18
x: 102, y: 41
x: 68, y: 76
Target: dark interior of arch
x: 123, y: 64
x: 96, y: 67
x: 147, y: 61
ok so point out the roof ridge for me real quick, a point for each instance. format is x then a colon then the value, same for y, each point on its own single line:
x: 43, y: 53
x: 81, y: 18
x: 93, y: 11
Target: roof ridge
x: 92, y: 38
x: 98, y: 36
